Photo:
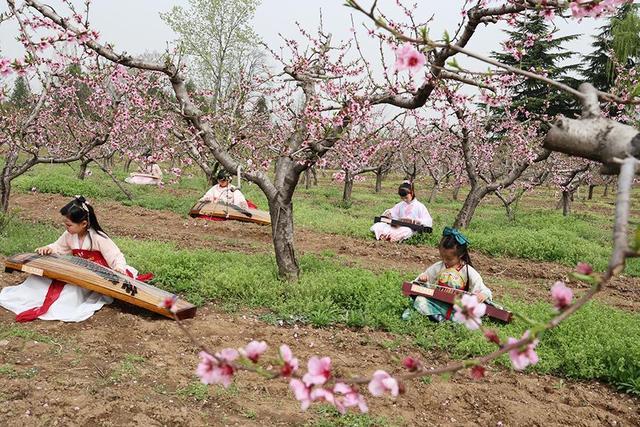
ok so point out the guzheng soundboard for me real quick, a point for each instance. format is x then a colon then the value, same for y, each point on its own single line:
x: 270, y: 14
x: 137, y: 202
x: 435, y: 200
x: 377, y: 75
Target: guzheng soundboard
x: 87, y: 274
x: 397, y: 223
x: 449, y: 295
x: 230, y: 211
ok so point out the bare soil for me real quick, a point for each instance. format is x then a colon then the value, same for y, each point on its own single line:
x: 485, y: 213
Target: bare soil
x: 127, y: 367
x: 517, y: 278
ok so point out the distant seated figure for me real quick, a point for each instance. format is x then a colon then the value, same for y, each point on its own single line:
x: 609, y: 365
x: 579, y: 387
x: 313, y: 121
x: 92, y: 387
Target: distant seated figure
x: 225, y: 192
x: 150, y: 174
x: 408, y: 210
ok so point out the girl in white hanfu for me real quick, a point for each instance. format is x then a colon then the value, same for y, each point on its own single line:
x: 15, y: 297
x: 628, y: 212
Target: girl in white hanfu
x: 225, y: 192
x: 408, y: 210
x: 148, y: 175
x: 46, y: 299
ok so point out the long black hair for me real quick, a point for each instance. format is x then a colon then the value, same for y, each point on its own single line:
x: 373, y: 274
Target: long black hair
x: 79, y: 210
x: 406, y: 188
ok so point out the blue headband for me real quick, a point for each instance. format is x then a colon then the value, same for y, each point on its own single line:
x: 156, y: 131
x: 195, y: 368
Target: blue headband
x: 460, y: 238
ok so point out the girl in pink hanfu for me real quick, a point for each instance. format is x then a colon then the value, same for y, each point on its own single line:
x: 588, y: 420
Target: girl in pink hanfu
x: 46, y: 299
x: 149, y: 175
x: 408, y: 210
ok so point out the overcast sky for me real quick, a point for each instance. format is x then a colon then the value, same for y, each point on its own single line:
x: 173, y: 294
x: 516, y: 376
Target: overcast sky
x: 135, y: 25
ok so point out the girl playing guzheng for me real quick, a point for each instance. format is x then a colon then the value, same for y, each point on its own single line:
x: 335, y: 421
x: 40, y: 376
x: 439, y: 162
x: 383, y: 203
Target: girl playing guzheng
x: 408, y: 210
x: 41, y: 298
x: 454, y: 271
x: 224, y: 192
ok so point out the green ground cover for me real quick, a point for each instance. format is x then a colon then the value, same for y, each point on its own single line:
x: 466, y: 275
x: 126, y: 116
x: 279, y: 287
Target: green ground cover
x: 599, y: 342
x: 537, y: 233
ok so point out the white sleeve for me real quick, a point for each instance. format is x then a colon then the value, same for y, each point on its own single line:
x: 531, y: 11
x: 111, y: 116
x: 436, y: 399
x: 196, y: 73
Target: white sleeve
x: 477, y: 285
x: 432, y: 272
x: 239, y: 199
x: 61, y: 246
x: 424, y: 217
x: 110, y: 252
x: 395, y: 211
x: 208, y: 196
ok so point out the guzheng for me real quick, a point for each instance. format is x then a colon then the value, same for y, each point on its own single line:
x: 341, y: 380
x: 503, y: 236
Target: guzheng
x: 397, y: 223
x: 448, y: 295
x: 230, y: 211
x: 87, y: 274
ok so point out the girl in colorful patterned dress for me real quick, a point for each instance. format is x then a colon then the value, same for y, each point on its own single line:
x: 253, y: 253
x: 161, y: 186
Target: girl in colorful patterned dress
x: 454, y: 271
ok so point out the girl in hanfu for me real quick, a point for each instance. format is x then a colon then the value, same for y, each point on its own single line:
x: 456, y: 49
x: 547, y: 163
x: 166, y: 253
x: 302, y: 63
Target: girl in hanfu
x: 224, y: 192
x: 454, y: 271
x: 408, y: 210
x: 46, y: 299
x: 150, y: 174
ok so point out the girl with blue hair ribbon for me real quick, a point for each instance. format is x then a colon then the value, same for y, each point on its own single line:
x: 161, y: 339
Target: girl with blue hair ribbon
x: 454, y: 271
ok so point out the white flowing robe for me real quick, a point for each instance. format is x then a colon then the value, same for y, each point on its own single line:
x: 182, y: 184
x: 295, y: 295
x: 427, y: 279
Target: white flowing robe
x: 74, y: 304
x: 228, y: 194
x: 413, y: 210
x: 143, y: 178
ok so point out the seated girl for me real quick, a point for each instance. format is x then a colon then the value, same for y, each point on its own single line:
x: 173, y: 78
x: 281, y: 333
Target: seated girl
x: 41, y: 298
x: 408, y: 210
x: 224, y: 192
x: 454, y: 271
x: 150, y: 174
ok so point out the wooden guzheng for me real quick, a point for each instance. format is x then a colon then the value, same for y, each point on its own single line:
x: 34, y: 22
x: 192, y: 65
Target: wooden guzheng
x: 230, y: 211
x: 396, y: 222
x: 448, y: 295
x: 87, y: 274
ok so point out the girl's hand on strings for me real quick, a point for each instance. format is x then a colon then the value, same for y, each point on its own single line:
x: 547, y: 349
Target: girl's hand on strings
x: 481, y: 297
x: 45, y: 250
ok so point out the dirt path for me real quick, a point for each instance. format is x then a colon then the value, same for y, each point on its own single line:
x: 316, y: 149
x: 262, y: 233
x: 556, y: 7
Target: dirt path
x: 125, y: 367
x: 516, y: 278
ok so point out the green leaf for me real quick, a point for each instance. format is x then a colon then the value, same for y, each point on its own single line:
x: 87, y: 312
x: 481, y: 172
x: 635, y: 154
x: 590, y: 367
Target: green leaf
x: 446, y: 37
x: 424, y: 33
x: 453, y: 63
x: 583, y: 278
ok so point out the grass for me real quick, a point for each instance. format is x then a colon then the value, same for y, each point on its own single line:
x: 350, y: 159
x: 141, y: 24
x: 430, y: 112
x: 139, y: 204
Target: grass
x: 7, y: 331
x: 330, y: 417
x: 599, y: 342
x: 195, y: 390
x: 127, y: 368
x: 329, y: 293
x: 536, y: 234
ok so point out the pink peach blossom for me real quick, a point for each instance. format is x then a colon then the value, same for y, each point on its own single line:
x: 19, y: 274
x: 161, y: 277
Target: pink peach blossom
x: 470, y: 312
x: 319, y: 371
x: 409, y: 58
x: 301, y: 392
x: 290, y: 364
x: 382, y: 382
x: 523, y: 357
x: 561, y: 295
x: 254, y: 350
x: 346, y: 396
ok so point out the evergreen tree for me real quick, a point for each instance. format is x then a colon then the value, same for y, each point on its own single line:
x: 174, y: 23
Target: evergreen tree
x: 531, y: 47
x: 621, y: 36
x: 21, y: 94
